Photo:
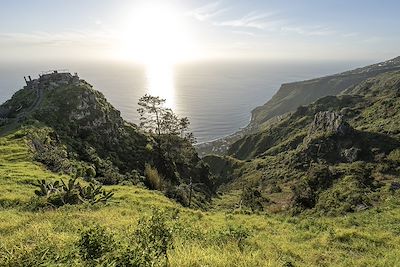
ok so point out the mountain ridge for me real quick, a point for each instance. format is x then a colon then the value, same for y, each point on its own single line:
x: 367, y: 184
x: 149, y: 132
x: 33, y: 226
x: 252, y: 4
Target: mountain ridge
x: 345, y: 145
x: 292, y: 95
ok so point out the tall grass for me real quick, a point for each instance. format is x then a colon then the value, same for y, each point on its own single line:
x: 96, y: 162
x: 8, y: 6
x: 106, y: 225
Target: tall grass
x: 214, y: 238
x: 153, y: 178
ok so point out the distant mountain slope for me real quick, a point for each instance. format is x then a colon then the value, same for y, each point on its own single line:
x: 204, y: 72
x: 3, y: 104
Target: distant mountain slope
x: 292, y: 95
x: 338, y: 154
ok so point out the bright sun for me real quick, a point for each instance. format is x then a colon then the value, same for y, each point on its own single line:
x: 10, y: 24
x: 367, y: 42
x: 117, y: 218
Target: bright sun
x: 156, y: 34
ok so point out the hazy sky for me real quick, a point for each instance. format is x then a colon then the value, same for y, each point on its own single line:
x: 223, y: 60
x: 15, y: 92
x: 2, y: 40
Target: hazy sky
x: 197, y: 29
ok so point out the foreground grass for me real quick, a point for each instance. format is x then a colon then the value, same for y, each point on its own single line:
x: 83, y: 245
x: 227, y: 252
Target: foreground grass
x: 48, y: 238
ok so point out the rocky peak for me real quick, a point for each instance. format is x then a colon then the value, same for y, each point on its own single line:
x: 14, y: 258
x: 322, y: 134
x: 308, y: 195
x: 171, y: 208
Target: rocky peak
x: 329, y: 122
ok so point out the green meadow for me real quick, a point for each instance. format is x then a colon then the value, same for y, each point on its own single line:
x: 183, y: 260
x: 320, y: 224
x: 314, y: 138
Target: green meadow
x: 216, y: 237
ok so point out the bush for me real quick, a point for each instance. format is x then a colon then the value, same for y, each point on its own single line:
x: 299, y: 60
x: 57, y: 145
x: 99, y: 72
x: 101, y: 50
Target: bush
x: 305, y: 193
x: 58, y: 194
x: 253, y: 199
x: 94, y: 243
x: 153, y: 238
x: 180, y: 193
x: 153, y: 178
x: 237, y: 234
x: 275, y: 188
x: 394, y: 156
x: 55, y: 158
x: 348, y: 195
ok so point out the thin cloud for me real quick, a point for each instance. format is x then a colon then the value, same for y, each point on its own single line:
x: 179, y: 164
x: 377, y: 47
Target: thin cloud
x: 254, y: 20
x: 68, y: 37
x: 244, y: 33
x: 351, y: 34
x: 309, y: 31
x: 208, y: 11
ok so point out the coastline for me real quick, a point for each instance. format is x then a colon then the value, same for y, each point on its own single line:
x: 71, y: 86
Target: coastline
x: 221, y: 145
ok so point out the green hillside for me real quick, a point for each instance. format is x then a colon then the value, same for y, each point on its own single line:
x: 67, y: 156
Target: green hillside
x: 74, y: 130
x: 337, y: 155
x: 318, y: 188
x: 217, y: 237
x: 292, y: 95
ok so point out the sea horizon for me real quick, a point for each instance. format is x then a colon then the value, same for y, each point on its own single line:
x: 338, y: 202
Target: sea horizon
x: 216, y: 96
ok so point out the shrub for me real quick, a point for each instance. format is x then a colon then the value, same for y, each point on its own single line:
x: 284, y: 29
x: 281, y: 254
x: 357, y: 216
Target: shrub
x: 252, y: 198
x: 152, y: 240
x: 348, y: 195
x: 58, y: 194
x: 394, y: 156
x: 275, y: 188
x: 154, y: 237
x: 305, y: 192
x: 237, y: 234
x: 55, y: 158
x: 94, y: 243
x: 90, y: 172
x: 153, y: 178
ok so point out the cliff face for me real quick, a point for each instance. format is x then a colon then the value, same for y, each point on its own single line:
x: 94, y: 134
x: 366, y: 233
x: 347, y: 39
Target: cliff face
x: 292, y: 95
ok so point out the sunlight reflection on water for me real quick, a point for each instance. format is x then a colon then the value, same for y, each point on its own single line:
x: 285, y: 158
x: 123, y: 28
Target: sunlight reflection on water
x: 161, y: 82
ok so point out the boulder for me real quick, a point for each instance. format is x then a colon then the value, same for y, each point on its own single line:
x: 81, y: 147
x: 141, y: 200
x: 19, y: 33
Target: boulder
x: 329, y: 122
x: 351, y: 154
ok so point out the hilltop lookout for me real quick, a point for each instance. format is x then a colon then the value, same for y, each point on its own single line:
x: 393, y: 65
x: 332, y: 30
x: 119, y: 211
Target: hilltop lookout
x: 52, y: 78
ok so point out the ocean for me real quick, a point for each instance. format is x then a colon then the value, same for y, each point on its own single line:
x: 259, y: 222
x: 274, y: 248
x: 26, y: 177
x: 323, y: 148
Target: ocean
x: 217, y: 97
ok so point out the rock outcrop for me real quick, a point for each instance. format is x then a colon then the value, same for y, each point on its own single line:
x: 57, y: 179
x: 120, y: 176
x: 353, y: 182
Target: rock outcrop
x: 329, y: 122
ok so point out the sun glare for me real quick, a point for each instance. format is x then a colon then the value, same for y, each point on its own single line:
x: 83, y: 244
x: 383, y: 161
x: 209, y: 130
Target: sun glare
x: 156, y: 34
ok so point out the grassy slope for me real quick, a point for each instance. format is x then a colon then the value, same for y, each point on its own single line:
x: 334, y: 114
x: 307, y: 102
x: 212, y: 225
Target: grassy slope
x: 370, y: 238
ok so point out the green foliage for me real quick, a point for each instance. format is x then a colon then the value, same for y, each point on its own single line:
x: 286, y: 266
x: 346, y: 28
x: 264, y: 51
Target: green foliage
x: 238, y: 234
x: 394, y: 156
x: 147, y: 247
x: 154, y: 239
x: 58, y: 194
x: 94, y: 243
x: 348, y: 195
x: 156, y: 118
x: 48, y: 150
x: 31, y: 238
x: 153, y: 178
x: 305, y: 193
x: 253, y: 198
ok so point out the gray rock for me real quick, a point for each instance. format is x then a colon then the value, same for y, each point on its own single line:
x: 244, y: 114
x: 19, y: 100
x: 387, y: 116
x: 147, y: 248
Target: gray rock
x: 329, y: 122
x: 394, y: 186
x: 351, y: 154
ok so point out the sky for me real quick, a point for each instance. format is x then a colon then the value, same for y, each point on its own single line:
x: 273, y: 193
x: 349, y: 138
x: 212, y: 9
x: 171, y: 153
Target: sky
x: 190, y: 30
